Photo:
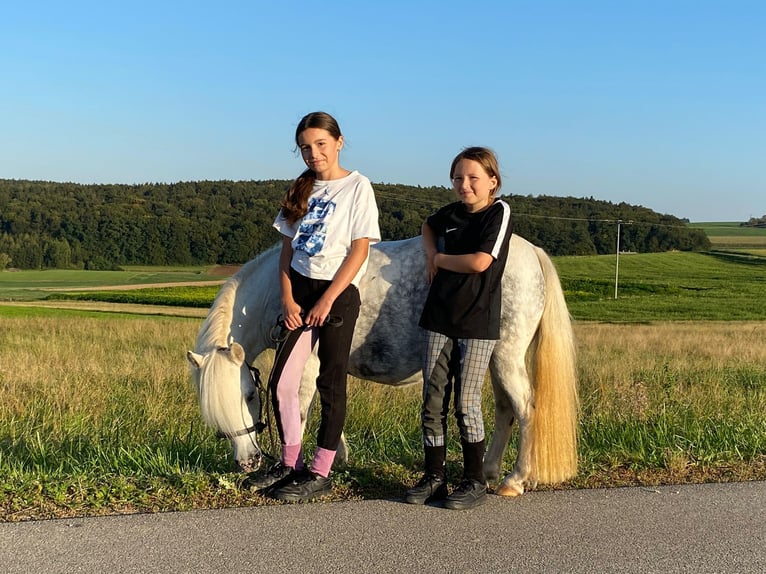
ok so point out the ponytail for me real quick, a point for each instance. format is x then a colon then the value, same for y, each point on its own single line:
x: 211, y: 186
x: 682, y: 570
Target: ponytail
x: 296, y: 201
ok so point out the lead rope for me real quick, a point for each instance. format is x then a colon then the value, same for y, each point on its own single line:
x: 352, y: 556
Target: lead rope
x: 277, y: 335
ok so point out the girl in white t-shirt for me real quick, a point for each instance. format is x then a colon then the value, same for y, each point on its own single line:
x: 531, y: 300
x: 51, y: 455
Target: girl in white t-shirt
x: 328, y: 221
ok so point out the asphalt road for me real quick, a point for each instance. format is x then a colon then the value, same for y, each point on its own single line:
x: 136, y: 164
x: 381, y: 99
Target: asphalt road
x: 696, y: 529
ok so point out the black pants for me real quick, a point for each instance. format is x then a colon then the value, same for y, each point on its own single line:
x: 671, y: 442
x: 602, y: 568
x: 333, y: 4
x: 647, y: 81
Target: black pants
x: 333, y: 347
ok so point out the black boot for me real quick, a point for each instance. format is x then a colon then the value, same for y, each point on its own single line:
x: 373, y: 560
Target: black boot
x: 274, y: 477
x: 304, y: 486
x: 472, y: 490
x: 433, y: 484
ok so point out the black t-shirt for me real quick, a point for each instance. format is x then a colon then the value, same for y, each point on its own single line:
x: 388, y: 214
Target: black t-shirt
x: 467, y: 305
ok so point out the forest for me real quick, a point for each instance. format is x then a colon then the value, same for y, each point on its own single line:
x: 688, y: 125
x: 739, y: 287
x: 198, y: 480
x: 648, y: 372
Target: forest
x: 48, y: 225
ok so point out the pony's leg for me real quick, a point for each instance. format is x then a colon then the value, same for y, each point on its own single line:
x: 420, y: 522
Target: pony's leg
x: 513, y: 396
x: 307, y: 394
x: 493, y: 459
x: 341, y: 453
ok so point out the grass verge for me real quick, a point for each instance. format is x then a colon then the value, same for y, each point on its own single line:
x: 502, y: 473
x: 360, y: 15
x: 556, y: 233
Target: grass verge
x: 97, y: 416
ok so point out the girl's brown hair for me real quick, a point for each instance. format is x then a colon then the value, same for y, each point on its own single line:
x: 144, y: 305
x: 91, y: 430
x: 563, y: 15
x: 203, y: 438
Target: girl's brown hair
x: 484, y: 157
x: 295, y: 203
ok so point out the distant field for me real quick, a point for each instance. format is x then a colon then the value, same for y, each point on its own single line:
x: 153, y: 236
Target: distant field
x: 674, y: 286
x: 30, y: 285
x: 732, y: 236
x: 729, y: 229
x: 665, y: 287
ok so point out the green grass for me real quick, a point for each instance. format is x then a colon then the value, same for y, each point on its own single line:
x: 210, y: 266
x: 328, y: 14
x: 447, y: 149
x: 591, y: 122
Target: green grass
x: 173, y: 296
x: 733, y: 237
x: 134, y: 442
x: 29, y: 285
x: 729, y: 229
x: 665, y: 286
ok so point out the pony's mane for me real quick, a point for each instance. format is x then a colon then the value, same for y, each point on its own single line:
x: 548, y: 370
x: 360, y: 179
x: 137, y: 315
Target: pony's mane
x: 214, y: 331
x: 216, y: 328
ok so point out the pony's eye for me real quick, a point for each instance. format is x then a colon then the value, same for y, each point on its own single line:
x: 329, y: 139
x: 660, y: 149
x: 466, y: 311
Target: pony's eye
x: 250, y: 396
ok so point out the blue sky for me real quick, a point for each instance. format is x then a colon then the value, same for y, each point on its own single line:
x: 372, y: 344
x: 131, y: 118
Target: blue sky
x: 654, y: 103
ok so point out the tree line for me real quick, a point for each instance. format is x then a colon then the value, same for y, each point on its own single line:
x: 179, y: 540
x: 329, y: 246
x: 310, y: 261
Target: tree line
x: 47, y: 225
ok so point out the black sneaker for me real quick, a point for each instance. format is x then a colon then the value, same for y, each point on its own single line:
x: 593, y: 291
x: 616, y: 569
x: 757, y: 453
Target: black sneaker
x: 276, y: 473
x: 469, y: 493
x: 303, y: 487
x: 430, y: 487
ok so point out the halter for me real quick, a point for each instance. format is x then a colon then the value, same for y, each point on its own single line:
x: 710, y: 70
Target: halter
x: 262, y: 423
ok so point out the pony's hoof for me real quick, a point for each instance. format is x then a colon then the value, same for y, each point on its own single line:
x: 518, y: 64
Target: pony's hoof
x: 509, y: 490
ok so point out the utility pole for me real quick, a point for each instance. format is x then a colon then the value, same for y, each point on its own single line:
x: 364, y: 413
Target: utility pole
x: 617, y: 256
x: 617, y: 259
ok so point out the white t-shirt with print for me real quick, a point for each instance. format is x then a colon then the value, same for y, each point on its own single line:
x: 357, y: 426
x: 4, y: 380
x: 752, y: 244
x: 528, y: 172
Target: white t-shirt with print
x: 339, y: 211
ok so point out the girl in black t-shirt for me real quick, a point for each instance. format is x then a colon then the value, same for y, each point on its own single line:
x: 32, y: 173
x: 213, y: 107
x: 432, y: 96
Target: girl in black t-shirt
x: 466, y: 245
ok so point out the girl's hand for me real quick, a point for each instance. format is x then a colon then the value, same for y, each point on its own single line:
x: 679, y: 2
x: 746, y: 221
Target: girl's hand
x: 291, y: 315
x: 430, y: 249
x: 431, y: 267
x: 319, y: 312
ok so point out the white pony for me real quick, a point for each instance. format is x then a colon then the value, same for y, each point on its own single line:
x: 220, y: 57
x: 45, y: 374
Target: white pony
x: 532, y: 368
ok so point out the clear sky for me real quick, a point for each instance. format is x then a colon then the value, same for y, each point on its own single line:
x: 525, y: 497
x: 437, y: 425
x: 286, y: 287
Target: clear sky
x: 654, y: 103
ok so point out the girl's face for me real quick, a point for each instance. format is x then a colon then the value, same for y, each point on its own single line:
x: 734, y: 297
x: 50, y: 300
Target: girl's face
x: 473, y: 186
x: 320, y: 150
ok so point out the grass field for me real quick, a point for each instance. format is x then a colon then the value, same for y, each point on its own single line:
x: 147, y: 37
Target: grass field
x: 729, y: 229
x: 97, y: 414
x: 665, y: 286
x: 29, y: 285
x: 732, y: 236
x: 650, y: 287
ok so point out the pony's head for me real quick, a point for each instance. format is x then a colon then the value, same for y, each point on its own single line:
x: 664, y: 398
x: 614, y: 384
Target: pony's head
x: 229, y: 399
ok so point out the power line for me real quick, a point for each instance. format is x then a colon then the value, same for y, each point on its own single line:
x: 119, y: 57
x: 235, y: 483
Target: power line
x: 436, y: 203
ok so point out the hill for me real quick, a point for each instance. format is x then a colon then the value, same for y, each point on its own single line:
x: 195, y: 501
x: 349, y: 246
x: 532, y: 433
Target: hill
x: 67, y: 225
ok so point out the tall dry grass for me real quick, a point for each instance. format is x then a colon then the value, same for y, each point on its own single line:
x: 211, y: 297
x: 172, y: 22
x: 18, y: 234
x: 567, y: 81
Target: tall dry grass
x: 99, y: 415
x: 83, y: 368
x: 634, y: 370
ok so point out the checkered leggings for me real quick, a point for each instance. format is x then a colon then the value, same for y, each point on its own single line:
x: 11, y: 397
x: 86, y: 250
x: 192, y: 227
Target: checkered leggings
x: 459, y: 366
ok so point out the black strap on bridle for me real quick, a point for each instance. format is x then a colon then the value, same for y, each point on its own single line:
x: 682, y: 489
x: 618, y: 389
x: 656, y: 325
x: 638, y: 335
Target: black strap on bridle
x: 262, y: 422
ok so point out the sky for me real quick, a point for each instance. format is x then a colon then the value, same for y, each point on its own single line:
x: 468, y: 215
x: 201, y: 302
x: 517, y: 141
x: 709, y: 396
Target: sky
x: 654, y: 103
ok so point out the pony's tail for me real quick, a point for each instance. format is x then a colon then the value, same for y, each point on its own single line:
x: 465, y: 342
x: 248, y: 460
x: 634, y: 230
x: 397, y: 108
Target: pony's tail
x: 554, y: 453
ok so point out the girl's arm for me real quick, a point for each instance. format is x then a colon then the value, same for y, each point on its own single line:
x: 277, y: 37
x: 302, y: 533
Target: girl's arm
x: 468, y: 263
x: 429, y: 246
x: 349, y: 268
x: 291, y: 311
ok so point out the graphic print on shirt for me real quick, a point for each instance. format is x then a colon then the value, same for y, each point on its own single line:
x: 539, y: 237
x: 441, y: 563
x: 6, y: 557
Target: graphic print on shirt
x: 312, y: 231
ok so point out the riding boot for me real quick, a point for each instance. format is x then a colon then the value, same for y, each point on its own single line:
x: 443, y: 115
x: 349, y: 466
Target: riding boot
x: 436, y: 461
x: 433, y: 485
x: 473, y: 461
x: 472, y: 490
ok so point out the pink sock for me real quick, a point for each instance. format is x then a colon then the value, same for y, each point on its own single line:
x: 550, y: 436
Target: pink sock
x: 322, y: 462
x: 292, y: 456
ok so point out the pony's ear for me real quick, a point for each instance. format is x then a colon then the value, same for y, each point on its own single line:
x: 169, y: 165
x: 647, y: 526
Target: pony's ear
x: 237, y: 353
x: 194, y: 359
